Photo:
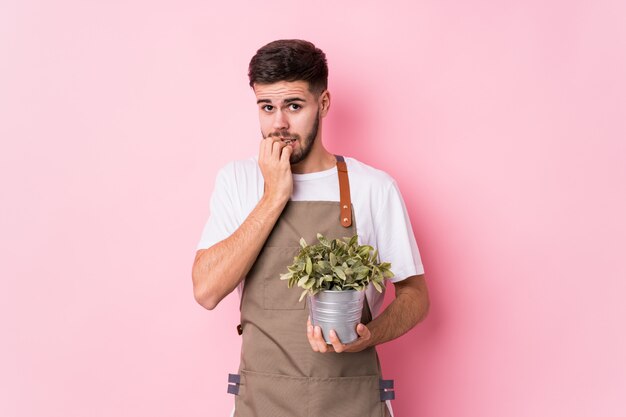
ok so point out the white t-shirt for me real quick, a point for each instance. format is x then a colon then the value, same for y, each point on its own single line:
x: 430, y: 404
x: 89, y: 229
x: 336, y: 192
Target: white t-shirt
x: 380, y: 215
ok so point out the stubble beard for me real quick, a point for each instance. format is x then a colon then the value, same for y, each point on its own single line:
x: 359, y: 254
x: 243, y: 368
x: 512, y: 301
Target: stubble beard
x: 300, y: 154
x: 307, y: 145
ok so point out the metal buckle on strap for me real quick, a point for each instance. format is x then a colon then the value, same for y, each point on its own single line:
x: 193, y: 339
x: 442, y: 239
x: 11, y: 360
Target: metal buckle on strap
x: 234, y: 381
x: 386, y: 390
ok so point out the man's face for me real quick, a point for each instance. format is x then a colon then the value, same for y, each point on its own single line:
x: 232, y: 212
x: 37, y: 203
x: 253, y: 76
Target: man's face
x: 288, y: 110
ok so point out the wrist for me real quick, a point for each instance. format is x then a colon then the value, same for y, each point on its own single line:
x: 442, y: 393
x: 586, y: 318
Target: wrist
x: 273, y: 201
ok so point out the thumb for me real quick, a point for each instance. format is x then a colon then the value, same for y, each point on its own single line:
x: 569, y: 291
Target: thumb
x: 362, y: 330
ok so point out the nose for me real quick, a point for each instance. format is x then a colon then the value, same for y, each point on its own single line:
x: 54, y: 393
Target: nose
x: 280, y: 121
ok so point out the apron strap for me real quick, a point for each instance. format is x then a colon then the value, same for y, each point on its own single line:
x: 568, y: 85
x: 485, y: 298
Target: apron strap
x: 344, y: 192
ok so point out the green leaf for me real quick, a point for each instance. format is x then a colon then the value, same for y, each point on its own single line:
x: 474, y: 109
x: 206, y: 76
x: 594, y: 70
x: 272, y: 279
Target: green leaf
x: 302, y: 243
x: 303, y: 294
x: 333, y: 259
x: 323, y: 240
x: 337, y: 270
x: 362, y: 270
x: 303, y: 281
x: 309, y: 265
x: 377, y: 286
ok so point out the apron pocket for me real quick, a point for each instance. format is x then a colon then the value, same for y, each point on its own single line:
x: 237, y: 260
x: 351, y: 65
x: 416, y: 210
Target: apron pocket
x: 264, y: 394
x: 355, y: 396
x: 271, y: 395
x: 276, y: 295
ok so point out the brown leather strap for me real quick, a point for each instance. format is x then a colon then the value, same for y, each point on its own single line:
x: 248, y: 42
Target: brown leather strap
x: 344, y: 192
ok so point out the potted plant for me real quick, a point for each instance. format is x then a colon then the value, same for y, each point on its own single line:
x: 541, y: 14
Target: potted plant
x: 335, y: 273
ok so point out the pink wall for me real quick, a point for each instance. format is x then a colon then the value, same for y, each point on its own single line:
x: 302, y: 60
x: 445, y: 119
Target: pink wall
x: 503, y: 122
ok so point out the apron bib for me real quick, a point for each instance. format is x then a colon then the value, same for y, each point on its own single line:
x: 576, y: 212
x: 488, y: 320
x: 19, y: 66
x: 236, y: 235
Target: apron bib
x: 279, y: 374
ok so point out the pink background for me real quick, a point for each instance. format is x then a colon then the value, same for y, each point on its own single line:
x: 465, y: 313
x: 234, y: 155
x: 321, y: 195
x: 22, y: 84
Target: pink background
x: 502, y: 121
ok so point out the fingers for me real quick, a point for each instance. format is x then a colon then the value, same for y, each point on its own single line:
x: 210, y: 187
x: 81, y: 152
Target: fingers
x: 286, y: 154
x: 277, y: 146
x: 363, y: 332
x: 276, y: 168
x: 337, y: 345
x: 316, y: 340
x: 362, y: 342
x: 271, y: 147
x: 266, y: 148
x: 318, y: 344
x: 309, y: 335
x: 321, y: 343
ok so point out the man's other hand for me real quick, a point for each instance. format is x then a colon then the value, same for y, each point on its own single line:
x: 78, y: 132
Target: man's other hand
x: 318, y: 344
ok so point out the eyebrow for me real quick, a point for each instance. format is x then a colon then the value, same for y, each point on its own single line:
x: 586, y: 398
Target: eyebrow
x: 286, y: 101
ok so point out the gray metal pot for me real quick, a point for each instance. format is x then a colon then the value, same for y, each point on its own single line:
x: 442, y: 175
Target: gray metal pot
x: 338, y: 310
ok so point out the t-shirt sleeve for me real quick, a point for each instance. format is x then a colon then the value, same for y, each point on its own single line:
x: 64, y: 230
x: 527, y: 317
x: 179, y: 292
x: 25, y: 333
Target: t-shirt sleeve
x: 394, y: 236
x: 223, y: 219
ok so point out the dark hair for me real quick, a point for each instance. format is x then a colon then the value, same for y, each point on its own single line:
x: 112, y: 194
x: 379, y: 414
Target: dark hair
x: 289, y: 60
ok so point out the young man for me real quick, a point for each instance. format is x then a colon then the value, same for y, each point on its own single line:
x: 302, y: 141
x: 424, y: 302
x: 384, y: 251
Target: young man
x: 259, y: 210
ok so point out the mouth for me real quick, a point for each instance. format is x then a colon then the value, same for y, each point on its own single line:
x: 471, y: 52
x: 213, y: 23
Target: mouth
x: 288, y: 141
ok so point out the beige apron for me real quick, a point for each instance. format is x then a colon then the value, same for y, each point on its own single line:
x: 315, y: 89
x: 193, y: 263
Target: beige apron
x: 280, y: 375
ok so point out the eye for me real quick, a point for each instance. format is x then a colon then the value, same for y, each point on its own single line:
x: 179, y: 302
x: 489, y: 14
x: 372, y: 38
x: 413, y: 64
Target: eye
x: 294, y: 107
x: 268, y: 108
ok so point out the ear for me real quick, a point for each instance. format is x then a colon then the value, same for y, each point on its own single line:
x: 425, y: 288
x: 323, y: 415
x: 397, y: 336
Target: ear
x: 324, y: 103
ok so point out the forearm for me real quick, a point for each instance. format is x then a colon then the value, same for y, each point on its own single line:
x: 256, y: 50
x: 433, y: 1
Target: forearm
x: 218, y: 270
x: 402, y: 314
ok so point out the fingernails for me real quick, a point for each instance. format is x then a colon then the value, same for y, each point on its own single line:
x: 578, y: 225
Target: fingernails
x: 309, y: 329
